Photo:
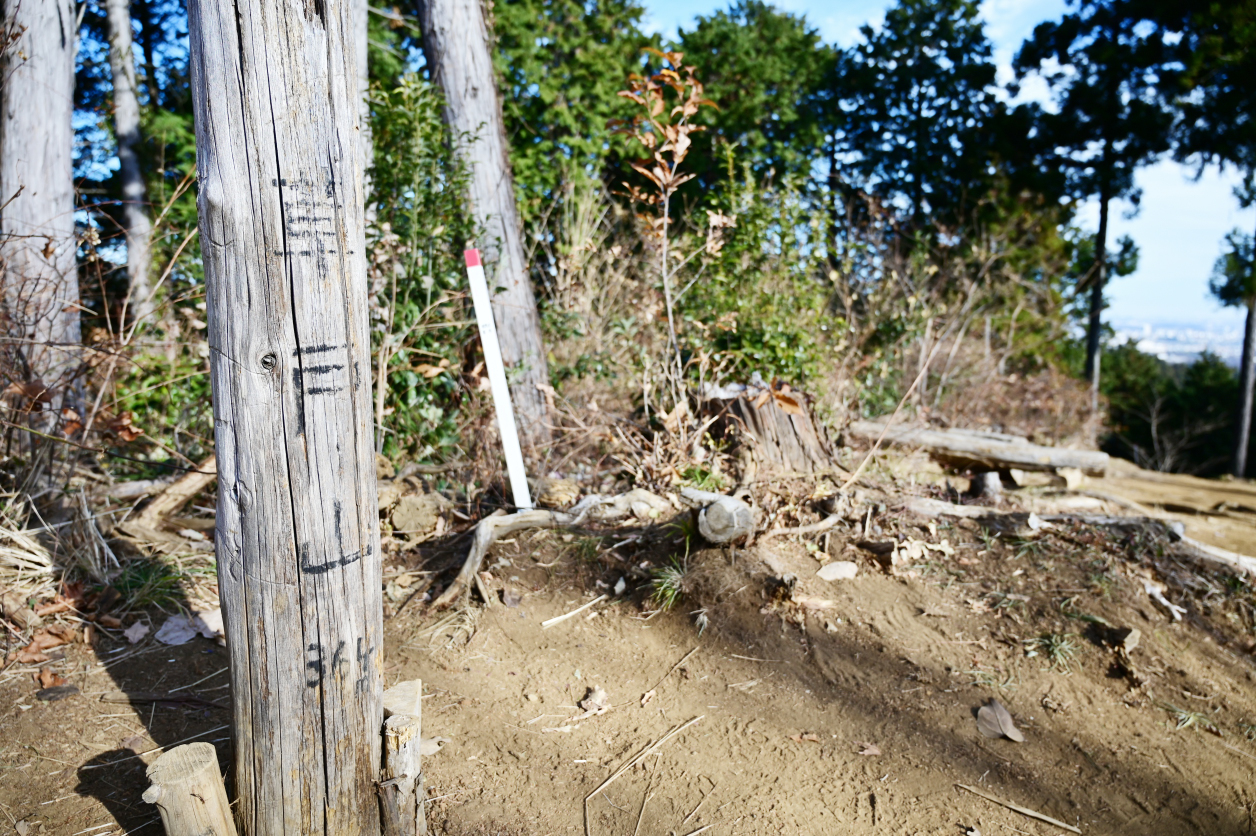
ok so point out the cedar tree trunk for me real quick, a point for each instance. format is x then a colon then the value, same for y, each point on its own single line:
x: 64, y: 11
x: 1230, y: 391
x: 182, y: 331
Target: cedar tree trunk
x: 126, y: 121
x: 38, y: 248
x: 456, y: 44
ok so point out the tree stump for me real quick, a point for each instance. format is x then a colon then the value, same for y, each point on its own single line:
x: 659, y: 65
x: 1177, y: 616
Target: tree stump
x: 773, y: 426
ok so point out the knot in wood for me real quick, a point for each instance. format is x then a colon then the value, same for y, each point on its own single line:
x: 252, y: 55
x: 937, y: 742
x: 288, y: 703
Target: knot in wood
x: 269, y: 361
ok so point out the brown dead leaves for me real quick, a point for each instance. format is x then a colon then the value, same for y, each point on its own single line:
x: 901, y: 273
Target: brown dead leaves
x: 43, y: 640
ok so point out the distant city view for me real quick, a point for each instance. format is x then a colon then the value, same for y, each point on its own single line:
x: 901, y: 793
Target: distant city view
x: 1183, y: 342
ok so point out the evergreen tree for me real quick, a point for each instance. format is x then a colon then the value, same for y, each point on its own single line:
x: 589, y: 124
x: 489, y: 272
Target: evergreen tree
x: 916, y: 103
x: 1103, y: 62
x: 561, y: 65
x: 766, y: 72
x: 1217, y: 126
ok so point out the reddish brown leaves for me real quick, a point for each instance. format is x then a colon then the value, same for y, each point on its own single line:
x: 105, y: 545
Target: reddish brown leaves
x: 43, y: 640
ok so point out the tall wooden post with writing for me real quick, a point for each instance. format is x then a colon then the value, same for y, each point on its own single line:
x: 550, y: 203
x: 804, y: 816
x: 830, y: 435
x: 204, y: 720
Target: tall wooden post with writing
x: 275, y: 88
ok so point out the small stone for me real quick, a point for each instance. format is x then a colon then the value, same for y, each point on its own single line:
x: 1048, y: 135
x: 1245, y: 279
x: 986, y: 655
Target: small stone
x: 417, y: 514
x: 838, y: 570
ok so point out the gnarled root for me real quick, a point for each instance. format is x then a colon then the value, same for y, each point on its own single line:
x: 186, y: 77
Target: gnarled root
x: 639, y: 503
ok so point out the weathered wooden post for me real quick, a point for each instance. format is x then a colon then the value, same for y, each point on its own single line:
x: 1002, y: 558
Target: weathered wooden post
x: 275, y: 89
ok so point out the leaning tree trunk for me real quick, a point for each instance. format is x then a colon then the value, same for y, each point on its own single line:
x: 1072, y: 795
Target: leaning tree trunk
x: 126, y: 121
x: 455, y: 42
x: 1247, y: 383
x: 38, y: 249
x: 275, y: 96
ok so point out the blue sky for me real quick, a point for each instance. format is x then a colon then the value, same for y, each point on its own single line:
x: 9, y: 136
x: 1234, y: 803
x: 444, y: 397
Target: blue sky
x: 1181, y: 220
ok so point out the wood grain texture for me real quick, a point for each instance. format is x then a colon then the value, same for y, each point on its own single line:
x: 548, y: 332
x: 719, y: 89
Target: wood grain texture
x: 456, y: 44
x: 38, y: 248
x: 401, y: 791
x: 188, y: 791
x: 780, y: 441
x: 126, y: 123
x: 983, y: 450
x: 276, y: 98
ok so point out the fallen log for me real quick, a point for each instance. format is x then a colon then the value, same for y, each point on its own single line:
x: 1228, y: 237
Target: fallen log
x: 983, y: 450
x: 147, y: 525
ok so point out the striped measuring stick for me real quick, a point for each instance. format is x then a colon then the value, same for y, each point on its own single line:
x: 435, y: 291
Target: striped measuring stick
x: 497, y: 380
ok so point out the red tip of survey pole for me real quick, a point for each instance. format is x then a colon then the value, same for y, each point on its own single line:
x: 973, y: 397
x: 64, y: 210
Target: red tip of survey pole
x: 472, y: 257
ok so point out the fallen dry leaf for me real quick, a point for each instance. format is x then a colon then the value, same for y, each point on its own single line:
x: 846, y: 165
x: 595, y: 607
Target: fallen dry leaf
x: 45, y: 639
x: 788, y: 404
x: 135, y: 632
x: 993, y: 720
x: 809, y: 737
x: 869, y: 749
x: 46, y: 678
x: 646, y: 697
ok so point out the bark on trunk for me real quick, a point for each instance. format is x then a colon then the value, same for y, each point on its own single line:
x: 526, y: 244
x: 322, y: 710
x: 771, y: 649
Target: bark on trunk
x: 38, y: 250
x: 275, y: 94
x: 126, y: 121
x: 1247, y: 383
x: 1094, y: 327
x: 455, y: 42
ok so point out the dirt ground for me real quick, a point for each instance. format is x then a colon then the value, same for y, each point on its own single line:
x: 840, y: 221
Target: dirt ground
x: 826, y: 707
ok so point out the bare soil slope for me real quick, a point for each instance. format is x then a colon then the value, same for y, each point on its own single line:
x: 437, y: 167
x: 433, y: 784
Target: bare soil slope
x: 825, y: 707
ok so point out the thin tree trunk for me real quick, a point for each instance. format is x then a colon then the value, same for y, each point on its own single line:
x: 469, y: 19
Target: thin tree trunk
x: 1094, y: 327
x: 1247, y: 383
x: 126, y: 120
x: 275, y: 96
x: 148, y: 39
x: 456, y: 44
x: 38, y: 249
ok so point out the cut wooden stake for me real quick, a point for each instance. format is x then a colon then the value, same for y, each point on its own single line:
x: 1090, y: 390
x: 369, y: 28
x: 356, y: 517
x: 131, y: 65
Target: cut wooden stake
x: 1024, y: 811
x: 560, y: 618
x: 497, y: 381
x: 401, y: 790
x: 188, y: 791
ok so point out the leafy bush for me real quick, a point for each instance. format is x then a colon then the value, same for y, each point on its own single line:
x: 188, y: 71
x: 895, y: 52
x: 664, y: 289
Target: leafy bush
x: 419, y: 323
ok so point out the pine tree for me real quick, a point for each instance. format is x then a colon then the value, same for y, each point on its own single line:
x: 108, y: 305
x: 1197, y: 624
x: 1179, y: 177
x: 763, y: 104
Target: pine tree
x: 1104, y: 63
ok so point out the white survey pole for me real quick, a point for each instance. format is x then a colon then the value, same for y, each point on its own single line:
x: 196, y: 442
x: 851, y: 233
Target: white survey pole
x: 497, y: 380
